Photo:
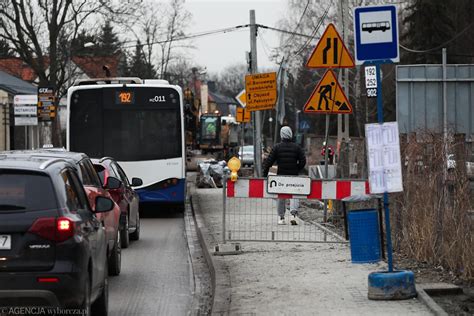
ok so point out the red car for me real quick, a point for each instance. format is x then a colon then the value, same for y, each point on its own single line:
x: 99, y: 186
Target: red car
x: 93, y: 188
x: 125, y: 196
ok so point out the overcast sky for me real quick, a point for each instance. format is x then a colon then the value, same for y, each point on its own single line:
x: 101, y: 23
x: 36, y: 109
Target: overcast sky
x: 220, y: 50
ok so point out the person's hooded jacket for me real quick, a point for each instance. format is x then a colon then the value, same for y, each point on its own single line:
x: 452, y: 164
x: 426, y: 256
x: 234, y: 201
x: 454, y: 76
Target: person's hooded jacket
x: 288, y: 155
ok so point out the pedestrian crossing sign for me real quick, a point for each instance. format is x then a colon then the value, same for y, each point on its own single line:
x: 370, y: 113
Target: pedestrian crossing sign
x: 328, y: 97
x: 330, y: 52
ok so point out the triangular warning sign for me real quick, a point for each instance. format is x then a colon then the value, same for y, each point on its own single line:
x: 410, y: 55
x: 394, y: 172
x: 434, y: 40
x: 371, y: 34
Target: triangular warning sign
x: 328, y: 97
x: 330, y: 52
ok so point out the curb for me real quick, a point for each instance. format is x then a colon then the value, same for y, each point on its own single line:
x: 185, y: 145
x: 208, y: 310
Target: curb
x: 220, y: 278
x: 429, y: 302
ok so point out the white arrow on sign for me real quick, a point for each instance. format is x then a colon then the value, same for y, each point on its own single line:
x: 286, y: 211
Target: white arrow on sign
x: 289, y: 185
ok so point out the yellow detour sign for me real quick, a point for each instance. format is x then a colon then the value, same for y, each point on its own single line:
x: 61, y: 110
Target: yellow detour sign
x: 261, y: 91
x: 328, y: 97
x: 330, y: 52
x: 242, y: 98
x: 242, y: 115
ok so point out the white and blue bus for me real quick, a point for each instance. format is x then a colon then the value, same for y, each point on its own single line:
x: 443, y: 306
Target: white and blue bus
x: 137, y: 122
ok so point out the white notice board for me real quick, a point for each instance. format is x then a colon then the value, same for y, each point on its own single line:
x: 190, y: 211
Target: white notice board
x: 383, y: 154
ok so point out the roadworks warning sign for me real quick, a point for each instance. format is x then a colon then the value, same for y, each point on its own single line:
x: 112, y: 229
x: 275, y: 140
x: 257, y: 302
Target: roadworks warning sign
x: 328, y: 97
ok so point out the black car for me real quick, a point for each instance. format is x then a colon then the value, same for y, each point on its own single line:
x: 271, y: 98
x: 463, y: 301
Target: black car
x: 53, y: 249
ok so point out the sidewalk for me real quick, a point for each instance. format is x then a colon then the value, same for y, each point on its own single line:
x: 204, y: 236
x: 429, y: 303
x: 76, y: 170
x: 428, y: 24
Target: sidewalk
x: 290, y: 278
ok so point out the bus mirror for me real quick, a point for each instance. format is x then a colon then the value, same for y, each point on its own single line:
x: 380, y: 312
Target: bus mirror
x: 136, y: 182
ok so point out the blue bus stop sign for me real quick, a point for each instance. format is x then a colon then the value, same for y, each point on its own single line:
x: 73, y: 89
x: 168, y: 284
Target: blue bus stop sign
x: 376, y: 34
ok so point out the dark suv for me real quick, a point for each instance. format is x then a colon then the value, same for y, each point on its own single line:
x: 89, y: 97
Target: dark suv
x: 93, y: 187
x: 53, y: 249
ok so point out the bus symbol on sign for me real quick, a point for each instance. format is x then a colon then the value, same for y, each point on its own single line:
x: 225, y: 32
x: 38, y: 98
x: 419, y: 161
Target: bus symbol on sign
x: 376, y: 26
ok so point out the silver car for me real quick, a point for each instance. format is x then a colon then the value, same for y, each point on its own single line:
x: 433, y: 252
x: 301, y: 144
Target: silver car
x: 246, y: 155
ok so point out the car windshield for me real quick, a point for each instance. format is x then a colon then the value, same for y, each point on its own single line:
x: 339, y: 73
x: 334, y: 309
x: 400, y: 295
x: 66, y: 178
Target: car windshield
x: 248, y: 149
x: 25, y: 192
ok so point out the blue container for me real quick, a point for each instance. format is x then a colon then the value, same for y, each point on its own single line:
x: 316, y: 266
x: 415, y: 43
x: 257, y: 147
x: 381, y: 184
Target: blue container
x: 364, y: 235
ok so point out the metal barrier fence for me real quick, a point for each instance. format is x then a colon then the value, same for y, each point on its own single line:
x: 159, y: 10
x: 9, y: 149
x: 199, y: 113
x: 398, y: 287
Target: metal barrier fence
x: 250, y: 213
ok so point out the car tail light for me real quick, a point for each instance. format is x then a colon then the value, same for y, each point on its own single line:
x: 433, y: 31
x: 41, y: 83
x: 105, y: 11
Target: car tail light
x: 44, y: 227
x: 54, y: 229
x: 47, y: 280
x: 64, y: 229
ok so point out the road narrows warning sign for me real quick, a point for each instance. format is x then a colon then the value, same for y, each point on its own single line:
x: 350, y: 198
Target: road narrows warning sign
x: 328, y: 97
x: 330, y: 52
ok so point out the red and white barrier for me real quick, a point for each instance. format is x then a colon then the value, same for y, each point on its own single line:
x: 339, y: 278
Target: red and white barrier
x: 320, y: 189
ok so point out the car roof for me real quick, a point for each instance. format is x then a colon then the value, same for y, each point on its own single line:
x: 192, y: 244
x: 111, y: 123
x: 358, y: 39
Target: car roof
x: 49, y: 153
x: 31, y: 163
x: 102, y: 160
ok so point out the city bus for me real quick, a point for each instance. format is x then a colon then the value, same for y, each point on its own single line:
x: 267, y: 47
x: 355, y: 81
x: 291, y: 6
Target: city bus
x: 137, y: 122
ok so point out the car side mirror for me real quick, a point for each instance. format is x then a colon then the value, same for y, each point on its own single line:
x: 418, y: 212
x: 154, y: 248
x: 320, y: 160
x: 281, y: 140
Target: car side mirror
x: 103, y: 204
x: 136, y: 182
x: 113, y: 183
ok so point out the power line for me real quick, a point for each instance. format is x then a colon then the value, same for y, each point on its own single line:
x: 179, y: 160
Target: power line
x: 185, y: 37
x: 283, y: 31
x: 439, y: 46
x: 315, y: 31
x: 297, y: 25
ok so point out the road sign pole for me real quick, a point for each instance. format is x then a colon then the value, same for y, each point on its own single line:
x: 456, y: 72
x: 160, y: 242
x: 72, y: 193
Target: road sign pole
x: 388, y: 230
x: 326, y: 167
x: 257, y: 118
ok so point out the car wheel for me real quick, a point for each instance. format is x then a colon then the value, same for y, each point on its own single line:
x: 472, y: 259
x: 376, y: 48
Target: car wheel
x: 101, y: 304
x: 136, y: 234
x: 86, y: 305
x: 115, y: 258
x: 124, y: 234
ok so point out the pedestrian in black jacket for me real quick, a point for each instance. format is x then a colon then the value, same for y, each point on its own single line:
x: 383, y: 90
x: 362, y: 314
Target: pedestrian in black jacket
x: 290, y: 160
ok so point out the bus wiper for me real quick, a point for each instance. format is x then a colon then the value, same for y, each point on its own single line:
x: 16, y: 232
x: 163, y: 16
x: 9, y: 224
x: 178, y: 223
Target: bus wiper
x: 8, y: 207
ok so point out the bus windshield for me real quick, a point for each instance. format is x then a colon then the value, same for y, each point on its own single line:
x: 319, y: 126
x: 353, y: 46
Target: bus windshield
x: 144, y: 125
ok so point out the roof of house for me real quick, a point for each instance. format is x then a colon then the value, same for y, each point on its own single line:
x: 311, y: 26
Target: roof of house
x: 14, y: 85
x: 92, y: 65
x: 222, y: 102
x: 18, y: 68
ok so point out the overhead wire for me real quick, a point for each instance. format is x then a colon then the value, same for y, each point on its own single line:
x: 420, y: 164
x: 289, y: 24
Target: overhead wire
x: 297, y: 25
x: 195, y: 35
x: 315, y: 31
x: 439, y: 46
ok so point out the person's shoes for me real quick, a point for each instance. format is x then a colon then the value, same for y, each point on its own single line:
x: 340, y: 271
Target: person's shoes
x: 281, y: 221
x: 293, y: 220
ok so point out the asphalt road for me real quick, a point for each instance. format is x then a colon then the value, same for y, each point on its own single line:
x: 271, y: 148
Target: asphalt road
x: 156, y: 277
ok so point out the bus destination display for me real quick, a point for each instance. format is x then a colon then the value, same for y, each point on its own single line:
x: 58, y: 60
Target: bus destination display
x: 124, y: 97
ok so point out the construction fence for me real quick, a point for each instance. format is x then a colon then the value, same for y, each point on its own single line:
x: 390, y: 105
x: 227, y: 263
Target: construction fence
x: 250, y: 212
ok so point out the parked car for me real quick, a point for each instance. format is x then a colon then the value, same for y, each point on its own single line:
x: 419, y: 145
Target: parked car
x: 246, y: 155
x: 53, y: 248
x: 125, y: 196
x: 93, y: 187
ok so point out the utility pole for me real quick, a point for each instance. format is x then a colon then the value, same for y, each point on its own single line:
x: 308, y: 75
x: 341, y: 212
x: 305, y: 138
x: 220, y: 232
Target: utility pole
x: 256, y: 115
x: 343, y: 119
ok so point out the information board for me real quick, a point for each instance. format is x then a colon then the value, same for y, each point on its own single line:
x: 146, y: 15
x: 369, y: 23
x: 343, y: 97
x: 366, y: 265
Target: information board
x: 383, y: 154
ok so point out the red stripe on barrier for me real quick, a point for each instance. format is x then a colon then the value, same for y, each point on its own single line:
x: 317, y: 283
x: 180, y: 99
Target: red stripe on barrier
x: 367, y: 187
x: 230, y: 189
x: 256, y: 188
x: 343, y: 189
x: 316, y: 190
x: 285, y: 196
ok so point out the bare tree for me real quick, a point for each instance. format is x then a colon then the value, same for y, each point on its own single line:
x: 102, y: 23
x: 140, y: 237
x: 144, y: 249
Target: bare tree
x: 41, y: 31
x: 232, y: 79
x: 178, y: 19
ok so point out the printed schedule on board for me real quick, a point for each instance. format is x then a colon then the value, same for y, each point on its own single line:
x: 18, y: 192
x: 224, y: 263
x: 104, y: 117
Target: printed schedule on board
x: 383, y: 154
